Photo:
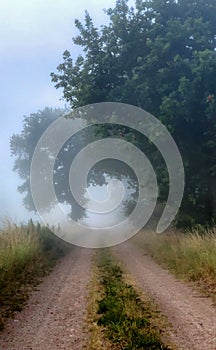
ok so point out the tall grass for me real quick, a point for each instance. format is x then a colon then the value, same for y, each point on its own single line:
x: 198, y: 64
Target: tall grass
x: 26, y: 253
x: 191, y: 256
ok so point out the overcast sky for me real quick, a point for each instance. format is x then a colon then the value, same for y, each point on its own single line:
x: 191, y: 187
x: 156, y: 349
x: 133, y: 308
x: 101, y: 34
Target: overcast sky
x: 33, y: 36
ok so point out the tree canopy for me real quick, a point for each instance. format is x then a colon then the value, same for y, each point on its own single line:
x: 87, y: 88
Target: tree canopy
x: 159, y: 55
x: 23, y: 146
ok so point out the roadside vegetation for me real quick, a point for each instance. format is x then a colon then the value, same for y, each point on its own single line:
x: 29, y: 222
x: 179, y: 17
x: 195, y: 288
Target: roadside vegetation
x: 118, y: 318
x: 189, y: 255
x: 27, y: 252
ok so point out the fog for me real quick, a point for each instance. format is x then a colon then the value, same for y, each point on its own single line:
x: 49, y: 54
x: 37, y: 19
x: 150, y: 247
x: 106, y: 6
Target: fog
x: 33, y: 37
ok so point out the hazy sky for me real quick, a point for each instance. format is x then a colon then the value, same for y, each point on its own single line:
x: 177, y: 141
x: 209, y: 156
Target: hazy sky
x: 33, y: 36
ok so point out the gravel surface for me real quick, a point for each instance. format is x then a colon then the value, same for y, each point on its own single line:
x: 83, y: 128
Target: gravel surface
x: 54, y: 316
x: 193, y: 316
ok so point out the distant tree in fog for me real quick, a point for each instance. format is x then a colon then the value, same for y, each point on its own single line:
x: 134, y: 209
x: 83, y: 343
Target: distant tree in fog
x: 22, y: 148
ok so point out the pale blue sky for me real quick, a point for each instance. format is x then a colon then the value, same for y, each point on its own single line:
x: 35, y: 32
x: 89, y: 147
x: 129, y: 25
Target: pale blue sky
x: 33, y: 36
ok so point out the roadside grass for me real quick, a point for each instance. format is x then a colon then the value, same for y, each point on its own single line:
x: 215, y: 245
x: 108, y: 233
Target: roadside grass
x: 27, y: 252
x: 191, y: 256
x: 118, y: 314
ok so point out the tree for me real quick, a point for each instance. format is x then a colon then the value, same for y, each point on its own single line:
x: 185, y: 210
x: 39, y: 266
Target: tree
x: 159, y: 55
x: 23, y: 146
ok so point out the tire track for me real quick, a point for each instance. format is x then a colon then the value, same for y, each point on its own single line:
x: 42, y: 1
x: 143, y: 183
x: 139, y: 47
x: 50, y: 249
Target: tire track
x: 54, y: 316
x: 193, y: 317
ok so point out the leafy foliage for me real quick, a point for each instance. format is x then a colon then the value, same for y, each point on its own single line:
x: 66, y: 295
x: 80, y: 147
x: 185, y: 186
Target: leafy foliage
x: 159, y: 55
x: 23, y: 146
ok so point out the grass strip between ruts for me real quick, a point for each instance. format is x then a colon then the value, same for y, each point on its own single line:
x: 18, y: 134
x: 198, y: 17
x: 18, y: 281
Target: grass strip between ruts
x: 125, y: 319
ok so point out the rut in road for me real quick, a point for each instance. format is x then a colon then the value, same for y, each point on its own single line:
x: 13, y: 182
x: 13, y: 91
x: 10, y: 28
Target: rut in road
x: 53, y: 317
x: 192, y: 316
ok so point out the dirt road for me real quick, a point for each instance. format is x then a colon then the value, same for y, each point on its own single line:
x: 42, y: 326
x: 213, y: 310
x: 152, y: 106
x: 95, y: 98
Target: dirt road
x: 193, y: 317
x: 53, y: 318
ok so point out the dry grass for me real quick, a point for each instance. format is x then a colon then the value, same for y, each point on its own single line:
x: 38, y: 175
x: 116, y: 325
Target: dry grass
x: 191, y: 256
x: 27, y: 252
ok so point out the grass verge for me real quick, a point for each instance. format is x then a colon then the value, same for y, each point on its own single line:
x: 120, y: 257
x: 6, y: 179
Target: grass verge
x: 191, y: 256
x: 120, y: 318
x: 27, y: 253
